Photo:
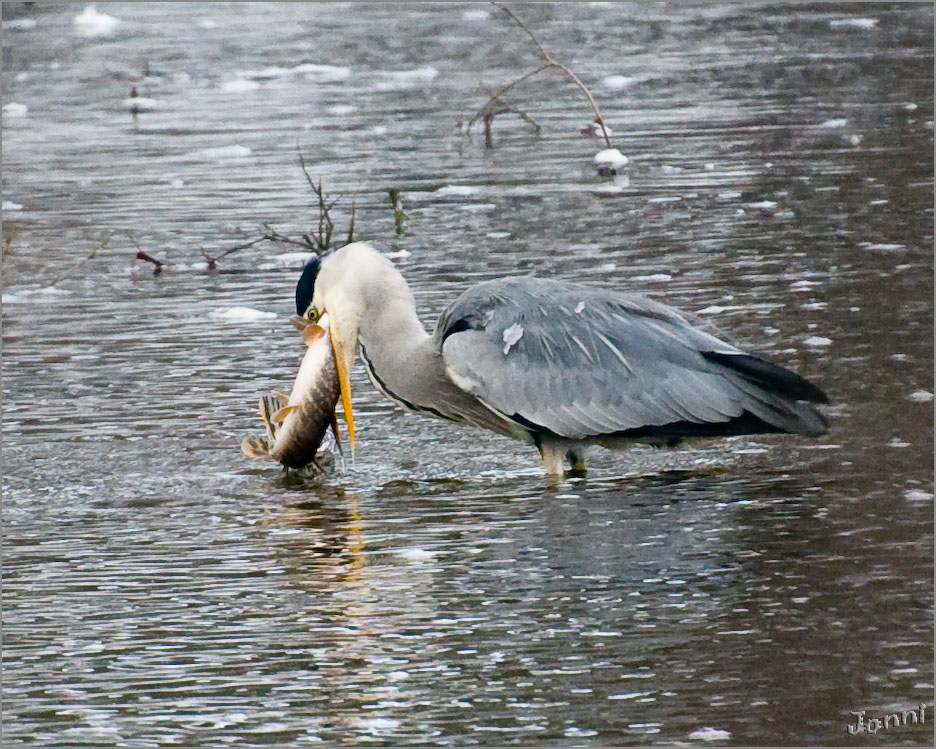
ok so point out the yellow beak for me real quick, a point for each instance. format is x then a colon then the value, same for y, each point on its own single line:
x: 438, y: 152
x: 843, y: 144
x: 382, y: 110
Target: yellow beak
x: 344, y: 383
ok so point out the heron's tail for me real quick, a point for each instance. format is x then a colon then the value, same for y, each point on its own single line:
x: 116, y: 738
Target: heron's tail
x: 776, y: 395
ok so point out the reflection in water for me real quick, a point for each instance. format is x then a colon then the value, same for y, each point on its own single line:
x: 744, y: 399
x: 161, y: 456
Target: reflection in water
x: 436, y: 589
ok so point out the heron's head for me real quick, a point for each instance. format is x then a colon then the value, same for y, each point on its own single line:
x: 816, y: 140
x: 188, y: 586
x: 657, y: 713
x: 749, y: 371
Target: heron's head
x: 344, y: 283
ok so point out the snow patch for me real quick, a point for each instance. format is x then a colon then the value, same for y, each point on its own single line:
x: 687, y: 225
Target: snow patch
x: 91, y: 24
x: 707, y: 733
x: 817, y: 341
x: 239, y: 86
x: 460, y: 191
x: 401, y: 80
x: 240, y: 314
x: 619, y: 82
x: 610, y: 158
x: 15, y: 109
x: 854, y: 23
x: 223, y: 153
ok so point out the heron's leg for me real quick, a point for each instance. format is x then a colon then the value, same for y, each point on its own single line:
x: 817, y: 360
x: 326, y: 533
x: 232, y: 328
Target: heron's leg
x: 553, y: 459
x: 576, y: 461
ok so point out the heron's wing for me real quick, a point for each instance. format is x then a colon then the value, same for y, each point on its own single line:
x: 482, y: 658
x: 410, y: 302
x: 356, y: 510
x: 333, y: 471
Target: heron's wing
x: 583, y: 362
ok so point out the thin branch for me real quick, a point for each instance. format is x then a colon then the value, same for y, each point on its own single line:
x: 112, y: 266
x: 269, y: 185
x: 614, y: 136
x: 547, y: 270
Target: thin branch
x: 142, y: 255
x: 549, y: 62
x: 213, y: 260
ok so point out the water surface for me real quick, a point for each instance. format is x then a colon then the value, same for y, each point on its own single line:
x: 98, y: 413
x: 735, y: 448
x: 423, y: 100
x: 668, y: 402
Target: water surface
x: 160, y: 588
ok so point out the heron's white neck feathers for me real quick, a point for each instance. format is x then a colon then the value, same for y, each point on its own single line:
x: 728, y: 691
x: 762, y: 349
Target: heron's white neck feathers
x: 365, y: 295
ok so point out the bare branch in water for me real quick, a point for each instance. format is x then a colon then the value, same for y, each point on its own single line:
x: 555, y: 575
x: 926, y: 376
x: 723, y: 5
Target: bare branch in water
x: 490, y: 108
x: 142, y: 255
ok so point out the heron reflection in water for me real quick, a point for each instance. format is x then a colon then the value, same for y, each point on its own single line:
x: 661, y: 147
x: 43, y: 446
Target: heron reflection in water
x: 560, y: 366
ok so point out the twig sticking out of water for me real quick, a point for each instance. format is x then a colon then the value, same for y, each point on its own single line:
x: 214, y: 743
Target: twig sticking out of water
x: 213, y: 259
x: 494, y: 107
x: 142, y: 255
x: 489, y: 110
x: 398, y: 215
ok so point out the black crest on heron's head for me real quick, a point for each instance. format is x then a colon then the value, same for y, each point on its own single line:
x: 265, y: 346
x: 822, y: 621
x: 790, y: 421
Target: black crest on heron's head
x: 306, y: 285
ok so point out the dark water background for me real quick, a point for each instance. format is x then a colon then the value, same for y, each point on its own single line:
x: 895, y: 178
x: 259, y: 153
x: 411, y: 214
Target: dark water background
x: 160, y: 588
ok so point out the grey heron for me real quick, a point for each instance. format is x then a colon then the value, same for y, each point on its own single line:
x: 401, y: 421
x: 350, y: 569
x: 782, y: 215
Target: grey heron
x: 560, y: 366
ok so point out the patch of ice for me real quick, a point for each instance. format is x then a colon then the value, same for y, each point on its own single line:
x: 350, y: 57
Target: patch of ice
x: 804, y: 285
x: 177, y: 183
x: 497, y: 234
x: 460, y: 191
x: 835, y: 123
x: 398, y: 254
x: 26, y: 295
x: 378, y: 131
x: 208, y: 24
x: 319, y: 73
x: 138, y: 104
x: 511, y: 336
x: 707, y: 733
x: 920, y: 396
x: 619, y: 82
x: 417, y: 555
x: 654, y: 277
x: 15, y: 109
x: 476, y: 15
x: 341, y: 109
x: 610, y: 158
x: 896, y: 442
x: 917, y: 495
x: 92, y: 24
x: 579, y: 307
x: 223, y: 153
x: 20, y: 24
x: 401, y: 80
x: 239, y: 86
x: 9, y: 205
x: 882, y: 246
x: 291, y: 258
x: 240, y: 314
x: 322, y: 73
x: 766, y: 206
x: 729, y: 195
x: 817, y: 340
x: 910, y: 106
x: 854, y: 23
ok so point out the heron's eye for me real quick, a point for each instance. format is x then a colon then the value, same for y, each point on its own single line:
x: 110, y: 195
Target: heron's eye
x: 312, y: 314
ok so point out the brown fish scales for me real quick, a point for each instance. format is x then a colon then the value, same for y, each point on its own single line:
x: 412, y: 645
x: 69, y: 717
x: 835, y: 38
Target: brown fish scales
x: 296, y: 424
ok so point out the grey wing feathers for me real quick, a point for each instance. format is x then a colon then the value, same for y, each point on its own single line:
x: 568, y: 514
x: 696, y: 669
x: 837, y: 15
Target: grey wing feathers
x: 581, y: 362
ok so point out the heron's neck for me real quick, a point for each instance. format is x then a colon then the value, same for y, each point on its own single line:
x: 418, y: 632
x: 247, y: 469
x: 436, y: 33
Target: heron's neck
x: 392, y: 340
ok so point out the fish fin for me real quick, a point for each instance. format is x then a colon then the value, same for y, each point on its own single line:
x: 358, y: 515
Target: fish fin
x: 268, y: 406
x: 280, y: 416
x: 256, y: 446
x: 312, y: 333
x: 334, y: 428
x: 281, y: 396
